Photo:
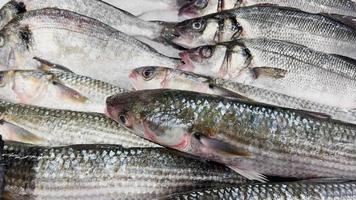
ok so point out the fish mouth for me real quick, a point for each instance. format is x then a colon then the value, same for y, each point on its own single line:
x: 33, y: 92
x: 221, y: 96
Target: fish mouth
x: 186, y: 64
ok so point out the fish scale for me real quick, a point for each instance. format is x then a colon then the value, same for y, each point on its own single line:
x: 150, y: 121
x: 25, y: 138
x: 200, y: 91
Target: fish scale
x: 105, y: 172
x: 279, y: 142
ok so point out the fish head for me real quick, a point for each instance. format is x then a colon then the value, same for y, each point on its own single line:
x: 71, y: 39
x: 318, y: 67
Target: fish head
x: 210, y: 29
x: 219, y: 61
x: 145, y: 114
x: 23, y: 86
x: 10, y: 10
x: 149, y: 77
x: 198, y: 8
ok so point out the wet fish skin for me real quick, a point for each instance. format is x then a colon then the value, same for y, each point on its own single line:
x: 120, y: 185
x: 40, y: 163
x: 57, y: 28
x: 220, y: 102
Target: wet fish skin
x: 279, y: 66
x: 56, y: 89
x: 114, y: 17
x: 105, y: 172
x: 342, y: 190
x: 49, y: 34
x: 51, y: 127
x: 198, y: 8
x: 326, y: 35
x: 253, y: 139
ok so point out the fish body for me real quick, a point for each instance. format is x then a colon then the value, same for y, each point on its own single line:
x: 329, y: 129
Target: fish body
x: 199, y: 8
x: 316, y: 31
x: 104, y: 172
x: 80, y: 43
x: 279, y: 66
x: 342, y: 190
x: 56, y: 89
x: 50, y: 127
x: 253, y: 139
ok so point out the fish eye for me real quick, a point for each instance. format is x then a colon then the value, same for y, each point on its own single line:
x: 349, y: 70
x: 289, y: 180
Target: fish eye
x: 201, y: 3
x: 122, y: 119
x: 148, y: 73
x: 206, y: 52
x: 198, y: 25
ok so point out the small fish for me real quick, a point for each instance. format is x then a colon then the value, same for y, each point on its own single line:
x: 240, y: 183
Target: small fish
x: 104, y: 172
x: 279, y: 66
x: 151, y: 77
x: 50, y: 127
x: 253, y: 139
x: 199, y: 8
x: 55, y: 89
x: 84, y: 45
x: 146, y: 78
x: 316, y: 31
x: 316, y: 189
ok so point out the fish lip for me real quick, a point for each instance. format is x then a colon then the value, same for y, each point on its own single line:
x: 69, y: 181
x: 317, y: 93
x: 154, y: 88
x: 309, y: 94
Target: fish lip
x: 187, y: 65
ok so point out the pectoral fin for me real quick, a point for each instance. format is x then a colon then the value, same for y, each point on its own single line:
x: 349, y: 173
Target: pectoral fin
x: 250, y: 174
x: 220, y: 147
x: 12, y: 132
x: 69, y: 93
x: 48, y: 66
x: 270, y: 72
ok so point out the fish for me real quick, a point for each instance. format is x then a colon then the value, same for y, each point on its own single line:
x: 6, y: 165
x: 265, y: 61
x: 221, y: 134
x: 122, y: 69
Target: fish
x: 56, y: 89
x: 255, y: 140
x: 149, y: 78
x: 199, y: 8
x: 155, y: 77
x: 316, y: 31
x: 146, y: 32
x: 53, y: 127
x: 82, y: 44
x: 315, y: 189
x: 279, y: 66
x: 104, y: 172
x: 162, y: 10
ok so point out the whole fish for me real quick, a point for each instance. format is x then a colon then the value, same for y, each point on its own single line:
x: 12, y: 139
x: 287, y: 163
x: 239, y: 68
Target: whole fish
x: 319, y: 32
x: 104, y: 172
x: 146, y: 78
x: 56, y: 89
x: 279, y: 66
x: 198, y: 8
x: 311, y: 190
x: 50, y: 127
x: 84, y: 45
x: 162, y: 10
x: 147, y: 32
x: 253, y: 139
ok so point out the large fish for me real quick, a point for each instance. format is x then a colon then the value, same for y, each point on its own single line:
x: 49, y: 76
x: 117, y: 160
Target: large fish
x: 51, y: 127
x: 146, y: 78
x: 104, y: 172
x: 84, y: 45
x: 312, y: 190
x: 253, y: 139
x: 148, y: 32
x: 198, y: 8
x: 279, y: 66
x: 312, y: 30
x: 55, y: 89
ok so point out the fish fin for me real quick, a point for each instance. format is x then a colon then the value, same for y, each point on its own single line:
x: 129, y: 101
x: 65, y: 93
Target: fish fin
x: 250, y: 174
x: 48, y: 66
x: 223, y: 148
x: 347, y: 20
x: 69, y: 92
x: 268, y: 72
x: 11, y: 132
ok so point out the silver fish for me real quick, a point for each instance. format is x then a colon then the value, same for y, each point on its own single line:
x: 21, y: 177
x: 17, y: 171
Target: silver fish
x: 198, y: 8
x: 253, y: 139
x: 104, y: 172
x: 146, y: 78
x: 279, y: 66
x: 52, y: 127
x: 312, y: 30
x: 84, y: 45
x: 303, y: 190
